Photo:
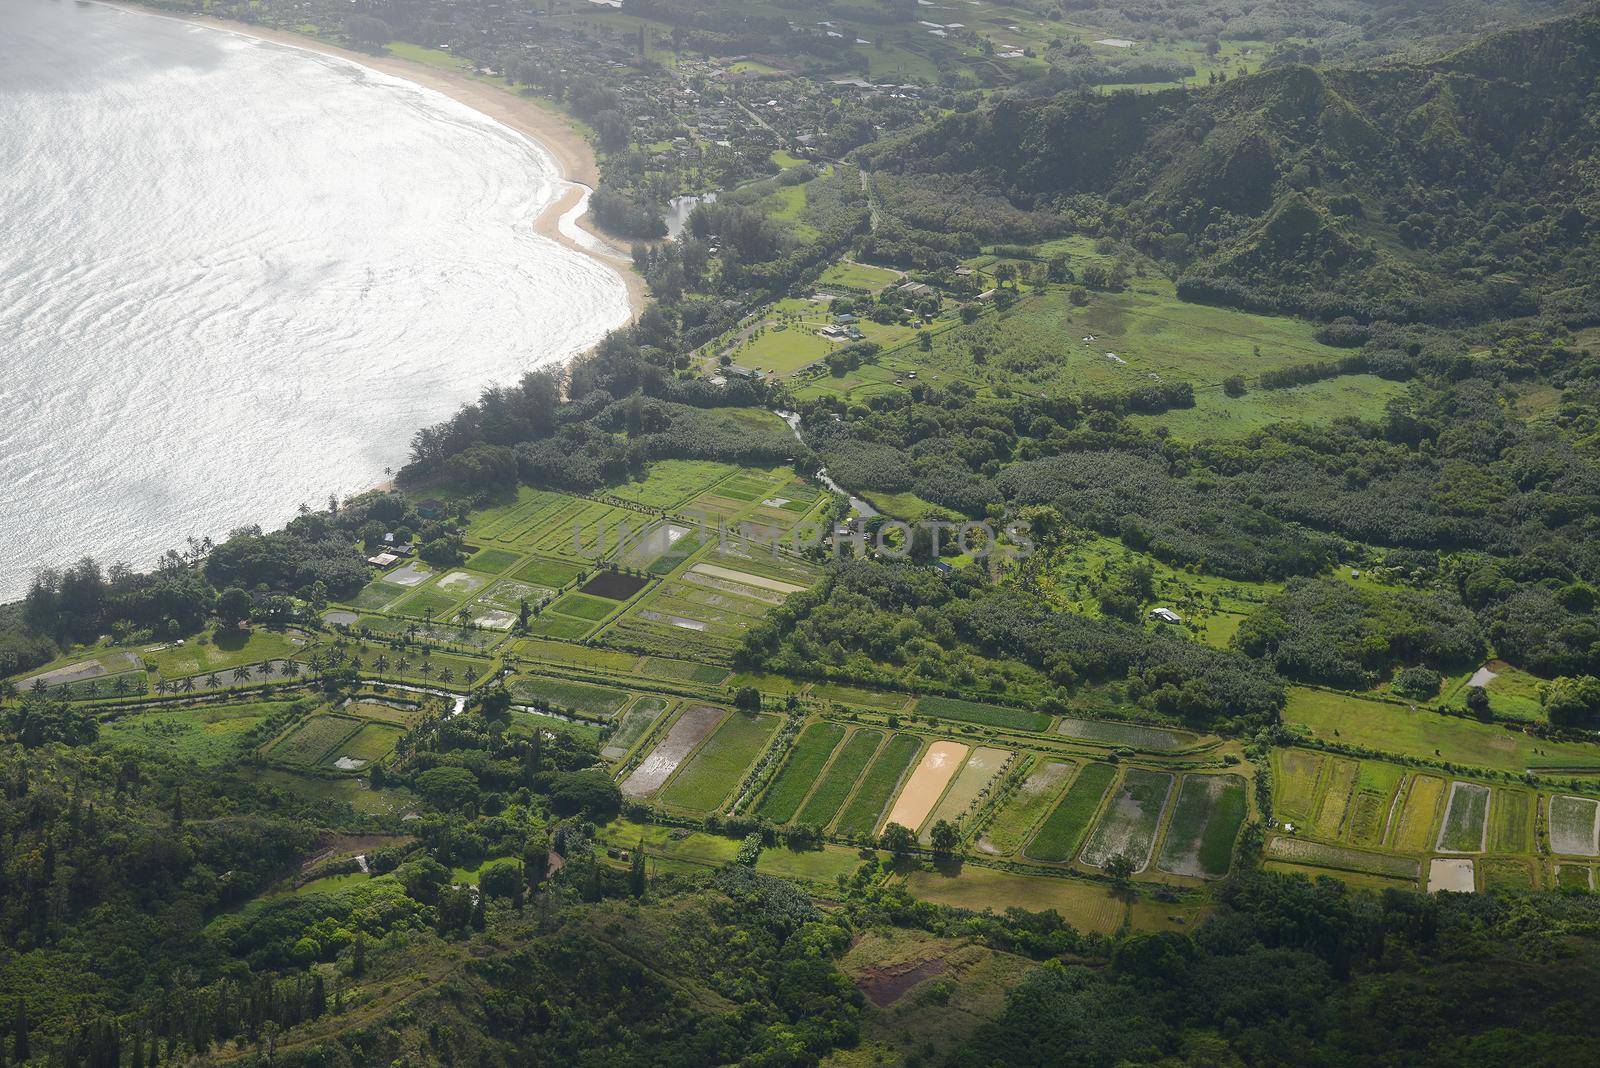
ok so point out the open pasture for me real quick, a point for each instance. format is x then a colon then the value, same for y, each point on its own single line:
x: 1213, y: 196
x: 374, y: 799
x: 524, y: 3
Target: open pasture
x: 1511, y: 821
x: 208, y: 734
x: 373, y: 741
x: 1392, y: 728
x: 1128, y: 825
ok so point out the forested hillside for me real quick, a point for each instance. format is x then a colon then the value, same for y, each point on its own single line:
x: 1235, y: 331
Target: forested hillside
x: 1455, y: 190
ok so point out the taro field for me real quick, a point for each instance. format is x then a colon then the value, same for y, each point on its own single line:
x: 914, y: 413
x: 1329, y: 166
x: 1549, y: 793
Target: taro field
x: 347, y: 739
x: 1372, y: 821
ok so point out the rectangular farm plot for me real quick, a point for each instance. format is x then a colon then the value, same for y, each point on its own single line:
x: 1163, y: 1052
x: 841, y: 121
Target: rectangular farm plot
x: 582, y: 606
x: 1132, y: 735
x: 314, y: 739
x: 1296, y: 787
x: 849, y: 761
x: 1456, y: 876
x: 653, y: 544
x: 1058, y: 839
x: 712, y: 773
x: 1367, y: 819
x: 760, y: 582
x: 1466, y: 819
x: 878, y: 785
x: 683, y: 670
x: 565, y: 628
x: 1128, y: 826
x: 1016, y: 719
x: 634, y: 724
x: 378, y: 712
x: 690, y: 729
x: 614, y: 585
x: 1574, y: 826
x: 970, y: 784
x: 492, y: 561
x: 806, y: 761
x: 1205, y: 821
x: 553, y: 574
x: 1344, y: 858
x: 373, y: 741
x: 1340, y: 779
x: 1511, y: 821
x: 926, y: 784
x: 1022, y: 810
x: 1414, y: 833
x: 576, y: 696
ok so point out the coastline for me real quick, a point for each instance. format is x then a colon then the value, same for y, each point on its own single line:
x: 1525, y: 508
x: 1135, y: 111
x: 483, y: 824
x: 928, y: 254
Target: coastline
x: 549, y: 130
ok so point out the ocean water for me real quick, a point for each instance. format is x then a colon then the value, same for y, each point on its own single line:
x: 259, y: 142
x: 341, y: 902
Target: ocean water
x: 236, y: 277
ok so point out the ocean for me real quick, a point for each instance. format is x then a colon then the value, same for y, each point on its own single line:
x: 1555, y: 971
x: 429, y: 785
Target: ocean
x: 236, y: 277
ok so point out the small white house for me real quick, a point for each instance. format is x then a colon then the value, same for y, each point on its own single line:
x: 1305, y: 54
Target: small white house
x: 1165, y: 615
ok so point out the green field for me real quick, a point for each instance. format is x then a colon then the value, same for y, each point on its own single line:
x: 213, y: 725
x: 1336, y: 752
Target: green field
x: 806, y: 760
x: 564, y: 627
x: 1465, y: 819
x: 549, y: 573
x: 1414, y: 831
x: 583, y: 606
x: 1295, y: 776
x: 1572, y: 825
x: 1064, y: 828
x: 1015, y: 819
x: 1343, y: 858
x: 373, y: 741
x: 1205, y: 822
x: 1014, y: 719
x: 1132, y: 735
x: 878, y: 785
x: 839, y: 779
x: 857, y: 697
x: 314, y: 739
x: 1128, y: 825
x: 1511, y: 821
x: 562, y: 693
x: 705, y: 782
x: 206, y: 734
x: 492, y: 561
x: 633, y: 725
x: 660, y: 668
x: 1390, y: 728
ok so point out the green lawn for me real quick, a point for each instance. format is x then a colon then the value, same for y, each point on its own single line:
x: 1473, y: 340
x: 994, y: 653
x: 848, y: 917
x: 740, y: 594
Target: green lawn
x: 210, y: 735
x: 583, y: 606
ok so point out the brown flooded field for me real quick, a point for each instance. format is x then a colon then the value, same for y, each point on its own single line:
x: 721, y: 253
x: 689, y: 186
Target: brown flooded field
x: 939, y: 765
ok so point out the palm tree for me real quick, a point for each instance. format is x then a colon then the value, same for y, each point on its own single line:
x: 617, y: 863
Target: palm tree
x: 212, y: 681
x: 447, y: 675
x: 463, y: 617
x: 291, y: 669
x: 381, y: 664
x: 187, y: 685
x: 241, y: 673
x: 269, y: 669
x: 120, y: 685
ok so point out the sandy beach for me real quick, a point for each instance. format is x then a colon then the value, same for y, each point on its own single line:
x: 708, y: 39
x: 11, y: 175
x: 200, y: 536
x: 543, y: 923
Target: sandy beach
x: 574, y: 158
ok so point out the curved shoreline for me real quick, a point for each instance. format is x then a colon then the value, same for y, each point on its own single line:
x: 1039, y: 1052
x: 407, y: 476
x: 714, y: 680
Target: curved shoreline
x: 548, y: 130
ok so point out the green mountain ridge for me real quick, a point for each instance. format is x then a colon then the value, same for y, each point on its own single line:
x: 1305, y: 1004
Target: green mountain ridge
x: 1448, y: 191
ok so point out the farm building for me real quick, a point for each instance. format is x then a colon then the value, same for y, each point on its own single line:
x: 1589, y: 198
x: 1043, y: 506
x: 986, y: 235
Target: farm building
x: 1165, y: 615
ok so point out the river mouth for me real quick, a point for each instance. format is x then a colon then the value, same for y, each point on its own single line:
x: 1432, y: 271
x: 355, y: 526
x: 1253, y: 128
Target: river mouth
x: 237, y: 277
